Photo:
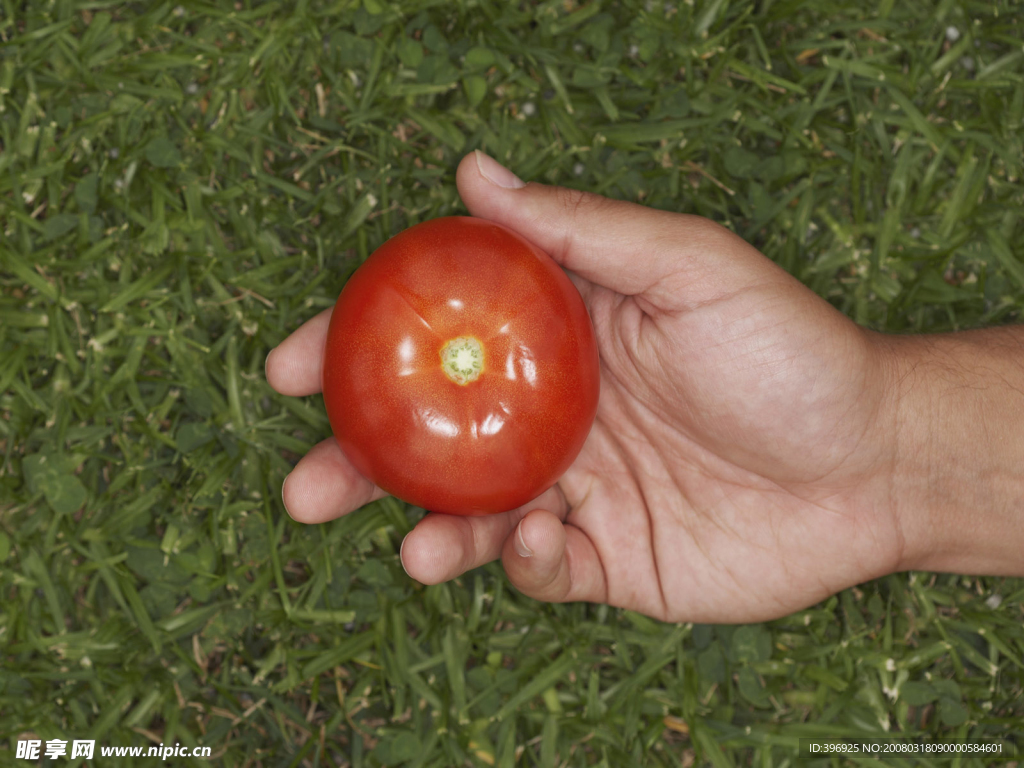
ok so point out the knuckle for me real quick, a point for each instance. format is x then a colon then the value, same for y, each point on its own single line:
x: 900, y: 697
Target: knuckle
x: 708, y: 232
x: 576, y: 206
x: 576, y: 202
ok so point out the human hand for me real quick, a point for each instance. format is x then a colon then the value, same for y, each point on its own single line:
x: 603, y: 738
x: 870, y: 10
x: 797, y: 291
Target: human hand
x: 736, y: 469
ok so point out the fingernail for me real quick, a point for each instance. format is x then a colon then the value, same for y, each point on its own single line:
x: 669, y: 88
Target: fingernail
x: 520, y: 546
x: 283, y: 484
x: 266, y: 363
x: 400, y: 550
x: 496, y: 173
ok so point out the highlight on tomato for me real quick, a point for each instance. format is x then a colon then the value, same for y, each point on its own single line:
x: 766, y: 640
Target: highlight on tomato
x: 460, y: 369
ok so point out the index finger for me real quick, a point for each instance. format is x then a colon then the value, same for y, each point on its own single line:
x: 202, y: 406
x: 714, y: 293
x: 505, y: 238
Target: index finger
x: 294, y: 366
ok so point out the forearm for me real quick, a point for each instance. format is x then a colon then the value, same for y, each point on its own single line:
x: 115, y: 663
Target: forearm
x: 957, y: 441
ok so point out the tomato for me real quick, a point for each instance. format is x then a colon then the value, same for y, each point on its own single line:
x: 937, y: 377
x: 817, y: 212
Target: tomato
x: 460, y: 371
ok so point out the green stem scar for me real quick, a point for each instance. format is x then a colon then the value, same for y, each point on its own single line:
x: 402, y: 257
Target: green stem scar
x: 462, y: 359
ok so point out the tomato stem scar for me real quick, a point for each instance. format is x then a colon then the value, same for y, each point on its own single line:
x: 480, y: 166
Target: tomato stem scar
x: 462, y: 359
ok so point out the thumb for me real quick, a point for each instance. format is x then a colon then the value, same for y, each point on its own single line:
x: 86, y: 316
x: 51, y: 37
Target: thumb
x: 673, y: 260
x: 549, y: 561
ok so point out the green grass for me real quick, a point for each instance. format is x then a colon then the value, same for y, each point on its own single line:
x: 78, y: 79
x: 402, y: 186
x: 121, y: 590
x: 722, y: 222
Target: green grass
x: 182, y: 185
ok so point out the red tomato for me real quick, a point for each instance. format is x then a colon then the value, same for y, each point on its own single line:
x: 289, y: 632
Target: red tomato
x: 460, y: 371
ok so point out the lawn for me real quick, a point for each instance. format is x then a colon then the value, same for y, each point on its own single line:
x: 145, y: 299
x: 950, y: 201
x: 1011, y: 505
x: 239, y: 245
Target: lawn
x: 181, y: 185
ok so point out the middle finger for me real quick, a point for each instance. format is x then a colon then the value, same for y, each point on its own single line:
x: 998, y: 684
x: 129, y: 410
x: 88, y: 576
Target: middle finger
x: 324, y: 485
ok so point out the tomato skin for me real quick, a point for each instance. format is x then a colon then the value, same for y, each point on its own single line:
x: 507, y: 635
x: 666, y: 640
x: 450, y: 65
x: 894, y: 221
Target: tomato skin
x: 487, y: 446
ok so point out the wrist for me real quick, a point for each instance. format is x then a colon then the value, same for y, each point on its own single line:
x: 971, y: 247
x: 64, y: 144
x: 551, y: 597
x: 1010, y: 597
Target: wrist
x: 955, y: 428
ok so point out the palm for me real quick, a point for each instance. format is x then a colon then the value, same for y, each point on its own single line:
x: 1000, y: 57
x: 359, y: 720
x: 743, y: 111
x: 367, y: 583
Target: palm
x: 714, y: 462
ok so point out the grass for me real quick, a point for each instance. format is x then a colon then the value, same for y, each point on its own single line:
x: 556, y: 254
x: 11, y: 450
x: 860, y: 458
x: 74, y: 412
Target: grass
x: 181, y: 185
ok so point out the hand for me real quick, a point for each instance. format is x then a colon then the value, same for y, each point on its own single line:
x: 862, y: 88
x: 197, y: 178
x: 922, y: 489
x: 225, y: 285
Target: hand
x: 738, y: 468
